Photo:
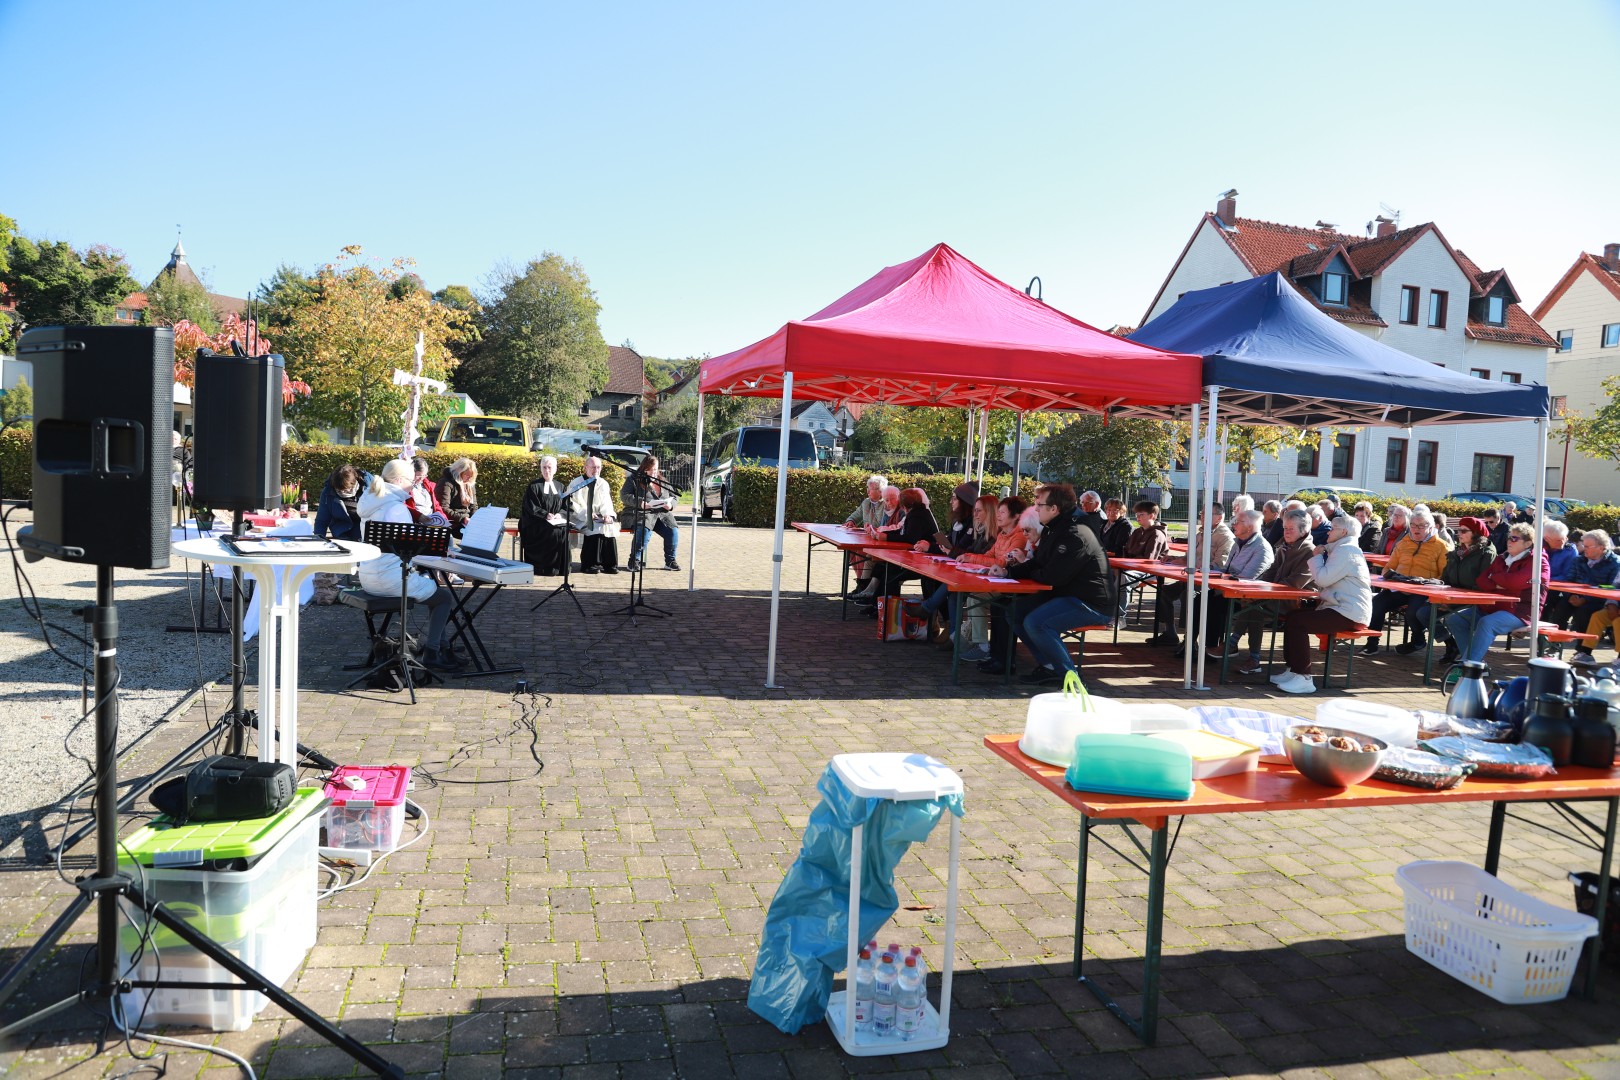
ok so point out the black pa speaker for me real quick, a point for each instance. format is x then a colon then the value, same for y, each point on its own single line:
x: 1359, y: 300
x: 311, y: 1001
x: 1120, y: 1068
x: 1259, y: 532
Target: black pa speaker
x: 237, y: 433
x: 103, y: 444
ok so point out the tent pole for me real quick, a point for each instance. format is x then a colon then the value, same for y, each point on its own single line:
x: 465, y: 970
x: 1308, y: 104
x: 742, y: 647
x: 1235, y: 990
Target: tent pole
x: 1193, y: 451
x: 1203, y: 560
x: 1018, y: 451
x: 1536, y: 542
x: 781, y: 514
x: 967, y: 449
x: 984, y: 435
x: 1219, y: 475
x: 697, y: 490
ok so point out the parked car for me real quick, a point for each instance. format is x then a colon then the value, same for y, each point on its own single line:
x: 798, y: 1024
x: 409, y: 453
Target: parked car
x: 749, y: 446
x: 484, y: 435
x: 1496, y: 497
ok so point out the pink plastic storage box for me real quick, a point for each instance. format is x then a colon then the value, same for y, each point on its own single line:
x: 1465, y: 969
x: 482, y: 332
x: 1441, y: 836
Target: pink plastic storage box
x: 370, y: 815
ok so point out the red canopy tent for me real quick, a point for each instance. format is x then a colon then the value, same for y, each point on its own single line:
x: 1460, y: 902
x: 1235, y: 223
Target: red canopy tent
x: 940, y: 331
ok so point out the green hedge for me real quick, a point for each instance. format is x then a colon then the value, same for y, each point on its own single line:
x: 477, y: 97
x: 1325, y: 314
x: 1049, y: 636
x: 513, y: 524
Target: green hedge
x: 830, y: 494
x: 502, y: 478
x: 17, y: 463
x: 1606, y: 518
x: 1452, y: 508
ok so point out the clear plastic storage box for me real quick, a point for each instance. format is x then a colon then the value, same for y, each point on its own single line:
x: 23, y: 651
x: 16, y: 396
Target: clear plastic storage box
x: 249, y: 885
x: 368, y: 808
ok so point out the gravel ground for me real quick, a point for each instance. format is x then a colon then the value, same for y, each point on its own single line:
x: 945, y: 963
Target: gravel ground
x: 40, y: 693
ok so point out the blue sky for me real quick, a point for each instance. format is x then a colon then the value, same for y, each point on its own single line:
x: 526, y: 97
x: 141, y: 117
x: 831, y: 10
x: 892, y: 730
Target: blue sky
x: 721, y: 168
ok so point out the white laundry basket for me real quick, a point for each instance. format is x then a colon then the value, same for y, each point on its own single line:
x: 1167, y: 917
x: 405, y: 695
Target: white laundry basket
x: 1486, y: 933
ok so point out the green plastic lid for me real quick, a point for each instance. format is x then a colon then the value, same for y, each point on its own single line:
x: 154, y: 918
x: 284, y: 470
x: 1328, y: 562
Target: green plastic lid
x: 165, y: 844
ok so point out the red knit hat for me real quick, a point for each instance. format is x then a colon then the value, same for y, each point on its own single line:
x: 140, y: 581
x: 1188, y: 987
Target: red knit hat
x: 1475, y: 526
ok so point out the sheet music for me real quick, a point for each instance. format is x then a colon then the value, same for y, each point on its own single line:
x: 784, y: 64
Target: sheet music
x: 484, y: 529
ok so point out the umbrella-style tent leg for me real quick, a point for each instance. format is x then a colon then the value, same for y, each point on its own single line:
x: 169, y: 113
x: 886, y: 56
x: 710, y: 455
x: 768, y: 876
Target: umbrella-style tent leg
x: 1193, y: 478
x: 697, y: 495
x: 1539, y: 524
x: 781, y: 517
x: 1203, y: 559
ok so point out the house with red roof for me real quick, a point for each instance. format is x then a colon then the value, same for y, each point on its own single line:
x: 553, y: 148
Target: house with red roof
x: 129, y: 309
x: 1583, y: 312
x: 1412, y: 290
x: 619, y: 408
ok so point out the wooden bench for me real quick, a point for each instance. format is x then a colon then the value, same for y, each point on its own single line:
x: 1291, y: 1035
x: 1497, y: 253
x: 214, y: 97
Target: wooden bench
x: 1552, y: 633
x: 1078, y: 636
x: 1327, y: 643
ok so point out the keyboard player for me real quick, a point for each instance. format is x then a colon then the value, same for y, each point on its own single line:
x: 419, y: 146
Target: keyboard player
x: 385, y: 500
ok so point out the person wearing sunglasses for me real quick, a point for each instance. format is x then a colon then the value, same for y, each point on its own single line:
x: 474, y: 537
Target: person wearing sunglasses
x: 1475, y: 628
x: 1070, y: 559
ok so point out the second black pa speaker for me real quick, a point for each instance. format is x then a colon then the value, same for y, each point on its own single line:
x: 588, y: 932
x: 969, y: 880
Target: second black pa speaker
x: 237, y: 433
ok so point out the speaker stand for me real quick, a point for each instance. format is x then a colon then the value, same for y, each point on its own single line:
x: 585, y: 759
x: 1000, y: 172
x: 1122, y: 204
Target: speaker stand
x: 104, y: 889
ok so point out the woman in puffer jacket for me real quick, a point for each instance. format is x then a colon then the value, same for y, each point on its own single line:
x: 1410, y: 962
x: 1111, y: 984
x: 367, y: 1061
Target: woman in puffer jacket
x: 385, y: 500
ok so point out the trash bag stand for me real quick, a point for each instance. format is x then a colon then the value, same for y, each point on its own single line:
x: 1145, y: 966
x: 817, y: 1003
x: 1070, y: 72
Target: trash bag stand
x: 866, y: 775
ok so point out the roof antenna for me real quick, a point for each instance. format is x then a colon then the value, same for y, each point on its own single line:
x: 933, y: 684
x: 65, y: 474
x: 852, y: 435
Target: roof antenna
x: 1394, y: 214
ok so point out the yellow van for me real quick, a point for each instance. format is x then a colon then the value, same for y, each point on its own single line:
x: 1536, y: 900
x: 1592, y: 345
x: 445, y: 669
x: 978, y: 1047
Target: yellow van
x: 484, y: 434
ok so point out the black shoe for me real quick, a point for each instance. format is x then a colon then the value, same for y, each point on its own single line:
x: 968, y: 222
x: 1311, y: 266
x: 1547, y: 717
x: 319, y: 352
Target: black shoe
x: 672, y: 565
x: 441, y: 660
x: 993, y: 666
x: 1451, y: 655
x: 593, y: 570
x: 610, y: 569
x: 1370, y: 649
x: 1410, y: 647
x: 1042, y: 676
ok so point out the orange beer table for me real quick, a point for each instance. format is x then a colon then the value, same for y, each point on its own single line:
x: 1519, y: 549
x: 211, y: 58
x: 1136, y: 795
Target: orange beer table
x: 845, y: 538
x: 1280, y: 787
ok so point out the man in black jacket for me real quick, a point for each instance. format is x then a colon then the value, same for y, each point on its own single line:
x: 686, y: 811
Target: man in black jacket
x: 1089, y: 513
x: 1071, y: 560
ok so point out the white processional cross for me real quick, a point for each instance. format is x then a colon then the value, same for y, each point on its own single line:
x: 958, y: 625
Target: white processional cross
x: 417, y: 382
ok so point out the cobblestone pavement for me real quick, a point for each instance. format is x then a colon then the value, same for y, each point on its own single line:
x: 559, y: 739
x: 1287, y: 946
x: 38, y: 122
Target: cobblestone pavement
x: 600, y: 920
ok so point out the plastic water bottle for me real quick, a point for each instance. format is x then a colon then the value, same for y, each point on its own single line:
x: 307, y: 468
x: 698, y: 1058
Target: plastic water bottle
x: 883, y: 997
x: 894, y: 951
x: 908, y: 1000
x: 865, y: 992
x: 922, y: 965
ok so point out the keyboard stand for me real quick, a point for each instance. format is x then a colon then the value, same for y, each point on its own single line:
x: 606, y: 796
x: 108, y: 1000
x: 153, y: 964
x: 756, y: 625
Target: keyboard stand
x: 462, y: 619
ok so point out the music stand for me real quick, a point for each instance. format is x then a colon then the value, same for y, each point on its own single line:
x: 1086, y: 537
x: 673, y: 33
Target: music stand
x: 638, y: 565
x: 406, y: 540
x: 567, y: 585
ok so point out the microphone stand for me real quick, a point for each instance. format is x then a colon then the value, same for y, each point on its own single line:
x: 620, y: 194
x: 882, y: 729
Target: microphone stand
x: 567, y: 585
x: 638, y: 603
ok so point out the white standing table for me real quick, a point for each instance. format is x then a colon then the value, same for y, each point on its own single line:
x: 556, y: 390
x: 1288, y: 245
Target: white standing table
x: 278, y: 612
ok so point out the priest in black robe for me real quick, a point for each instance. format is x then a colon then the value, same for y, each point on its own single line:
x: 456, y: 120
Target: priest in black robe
x: 543, y: 524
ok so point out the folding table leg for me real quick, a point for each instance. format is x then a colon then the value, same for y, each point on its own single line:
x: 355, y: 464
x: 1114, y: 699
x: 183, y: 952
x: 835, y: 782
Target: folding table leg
x: 1493, y: 844
x: 1594, y: 947
x: 1146, y: 1027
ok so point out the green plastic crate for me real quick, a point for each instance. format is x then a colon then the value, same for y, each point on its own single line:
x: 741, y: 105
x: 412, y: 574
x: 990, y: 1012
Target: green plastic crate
x: 218, y: 845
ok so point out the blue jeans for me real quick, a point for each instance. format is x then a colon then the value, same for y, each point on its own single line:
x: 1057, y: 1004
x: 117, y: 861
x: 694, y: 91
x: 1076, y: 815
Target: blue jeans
x: 1474, y: 630
x: 1043, y: 629
x: 1417, y: 617
x: 663, y: 525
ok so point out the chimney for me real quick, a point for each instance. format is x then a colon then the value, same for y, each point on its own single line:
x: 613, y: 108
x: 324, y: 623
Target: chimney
x: 1226, y: 209
x: 1386, y: 225
x: 1611, y: 257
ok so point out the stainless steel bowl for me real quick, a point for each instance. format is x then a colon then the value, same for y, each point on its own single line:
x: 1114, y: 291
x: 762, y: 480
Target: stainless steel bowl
x: 1330, y: 767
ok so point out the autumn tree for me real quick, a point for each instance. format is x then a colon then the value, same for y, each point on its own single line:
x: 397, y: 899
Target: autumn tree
x: 347, y: 338
x: 1117, y: 456
x: 1247, y: 442
x: 17, y: 402
x: 541, y: 351
x: 8, y: 230
x: 54, y: 285
x: 170, y: 300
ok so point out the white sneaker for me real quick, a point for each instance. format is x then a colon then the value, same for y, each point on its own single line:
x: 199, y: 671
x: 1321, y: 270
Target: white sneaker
x: 1281, y: 677
x: 1297, y: 684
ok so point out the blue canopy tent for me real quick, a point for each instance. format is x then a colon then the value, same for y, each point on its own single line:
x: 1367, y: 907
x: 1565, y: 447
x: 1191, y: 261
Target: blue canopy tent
x: 1271, y: 356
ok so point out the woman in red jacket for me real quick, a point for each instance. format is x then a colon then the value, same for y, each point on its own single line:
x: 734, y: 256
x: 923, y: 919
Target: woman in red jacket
x: 1475, y: 628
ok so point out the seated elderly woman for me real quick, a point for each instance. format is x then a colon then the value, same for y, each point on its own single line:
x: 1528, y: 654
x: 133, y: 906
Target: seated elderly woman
x: 457, y: 492
x: 1399, y: 517
x: 1022, y: 549
x: 1372, y: 527
x: 868, y: 515
x: 917, y: 530
x: 1475, y: 628
x: 1339, y: 572
x: 1464, y: 563
x: 1600, y: 567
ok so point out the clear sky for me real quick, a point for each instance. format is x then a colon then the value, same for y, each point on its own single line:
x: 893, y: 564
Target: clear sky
x: 719, y: 169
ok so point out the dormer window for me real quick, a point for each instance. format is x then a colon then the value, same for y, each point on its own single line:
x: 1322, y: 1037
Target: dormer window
x: 1335, y: 288
x: 1496, y: 310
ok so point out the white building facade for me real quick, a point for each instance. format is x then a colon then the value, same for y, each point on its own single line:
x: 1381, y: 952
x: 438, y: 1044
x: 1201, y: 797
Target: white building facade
x: 1412, y: 291
x: 1582, y: 312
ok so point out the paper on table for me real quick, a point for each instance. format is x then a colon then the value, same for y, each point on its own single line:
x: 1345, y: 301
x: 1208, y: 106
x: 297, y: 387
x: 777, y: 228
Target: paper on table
x: 484, y: 529
x: 1002, y: 580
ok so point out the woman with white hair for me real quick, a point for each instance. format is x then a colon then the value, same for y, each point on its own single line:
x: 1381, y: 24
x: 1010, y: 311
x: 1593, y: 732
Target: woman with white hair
x: 868, y: 515
x: 1344, y: 603
x: 385, y: 500
x: 543, y: 523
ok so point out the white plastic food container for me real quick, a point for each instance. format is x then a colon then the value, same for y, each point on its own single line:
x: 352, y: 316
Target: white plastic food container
x: 1397, y: 727
x: 1054, y: 720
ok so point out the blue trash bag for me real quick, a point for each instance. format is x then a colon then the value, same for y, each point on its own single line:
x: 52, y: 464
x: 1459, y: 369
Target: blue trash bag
x: 806, y: 936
